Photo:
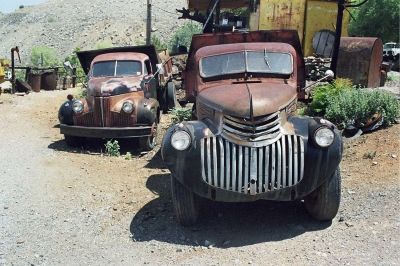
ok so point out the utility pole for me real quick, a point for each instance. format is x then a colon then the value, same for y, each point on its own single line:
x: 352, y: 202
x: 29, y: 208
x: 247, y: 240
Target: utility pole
x: 148, y: 28
x: 338, y: 34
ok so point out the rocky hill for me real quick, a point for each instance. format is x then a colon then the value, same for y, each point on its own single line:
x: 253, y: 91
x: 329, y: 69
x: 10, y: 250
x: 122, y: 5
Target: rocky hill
x: 65, y: 25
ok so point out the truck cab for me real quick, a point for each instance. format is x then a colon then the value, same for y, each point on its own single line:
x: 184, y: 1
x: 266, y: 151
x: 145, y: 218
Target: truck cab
x: 247, y: 142
x: 127, y: 90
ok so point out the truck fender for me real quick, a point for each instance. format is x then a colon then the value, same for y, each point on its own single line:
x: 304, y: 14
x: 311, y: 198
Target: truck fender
x: 65, y: 113
x: 148, y: 111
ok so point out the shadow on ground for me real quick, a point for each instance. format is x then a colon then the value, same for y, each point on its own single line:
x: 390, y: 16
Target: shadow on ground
x: 222, y: 224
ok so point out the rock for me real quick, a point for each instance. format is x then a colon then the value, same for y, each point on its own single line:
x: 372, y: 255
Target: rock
x: 394, y: 156
x: 20, y: 241
x: 207, y: 243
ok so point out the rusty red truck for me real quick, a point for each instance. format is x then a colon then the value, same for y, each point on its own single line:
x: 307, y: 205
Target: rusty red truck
x: 127, y: 90
x: 247, y: 142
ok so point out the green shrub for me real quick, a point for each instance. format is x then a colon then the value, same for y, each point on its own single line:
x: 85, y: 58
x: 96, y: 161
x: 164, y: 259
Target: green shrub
x: 128, y: 156
x: 48, y: 54
x: 158, y: 43
x: 51, y: 20
x: 183, y: 36
x: 21, y: 6
x: 112, y: 148
x: 321, y: 95
x: 180, y: 114
x: 102, y: 45
x: 358, y: 105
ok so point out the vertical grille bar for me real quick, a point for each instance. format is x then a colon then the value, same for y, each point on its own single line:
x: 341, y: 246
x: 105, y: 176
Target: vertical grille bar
x: 295, y: 163
x: 279, y: 165
x: 234, y: 173
x: 253, y: 171
x: 283, y: 156
x: 228, y: 164
x: 209, y: 162
x: 222, y: 164
x: 291, y: 180
x: 273, y: 166
x: 203, y: 171
x: 301, y: 160
x: 247, y: 164
x: 240, y: 170
x: 260, y: 176
x: 215, y: 163
x: 266, y: 170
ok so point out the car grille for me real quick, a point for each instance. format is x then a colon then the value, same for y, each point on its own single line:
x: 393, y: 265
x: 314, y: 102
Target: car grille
x: 251, y: 170
x: 262, y: 128
x: 101, y: 116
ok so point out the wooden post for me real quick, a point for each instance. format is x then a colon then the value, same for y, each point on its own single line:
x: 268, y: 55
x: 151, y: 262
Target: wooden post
x: 336, y: 44
x: 148, y: 29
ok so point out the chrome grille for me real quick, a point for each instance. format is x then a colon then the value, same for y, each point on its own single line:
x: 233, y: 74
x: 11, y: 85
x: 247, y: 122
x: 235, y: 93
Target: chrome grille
x: 266, y: 127
x: 100, y: 115
x: 250, y: 170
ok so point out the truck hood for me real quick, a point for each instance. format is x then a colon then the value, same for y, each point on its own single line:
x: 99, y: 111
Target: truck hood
x: 247, y: 100
x: 107, y: 86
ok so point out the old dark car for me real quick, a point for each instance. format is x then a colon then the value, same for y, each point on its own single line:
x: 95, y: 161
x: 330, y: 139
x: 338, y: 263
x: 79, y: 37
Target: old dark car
x: 247, y: 142
x: 127, y: 90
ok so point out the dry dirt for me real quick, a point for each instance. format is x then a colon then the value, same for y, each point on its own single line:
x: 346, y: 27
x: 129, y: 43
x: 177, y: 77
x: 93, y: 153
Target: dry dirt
x: 63, y: 206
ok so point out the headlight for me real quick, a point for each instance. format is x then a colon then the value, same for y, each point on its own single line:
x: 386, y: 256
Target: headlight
x: 128, y: 107
x: 180, y: 140
x: 324, y: 137
x: 77, y: 106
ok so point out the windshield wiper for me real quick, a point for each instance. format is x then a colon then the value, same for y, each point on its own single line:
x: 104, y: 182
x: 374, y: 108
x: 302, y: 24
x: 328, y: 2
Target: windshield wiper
x: 265, y: 57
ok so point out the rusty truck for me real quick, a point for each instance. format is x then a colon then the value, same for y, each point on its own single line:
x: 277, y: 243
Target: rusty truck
x: 246, y: 142
x: 127, y: 90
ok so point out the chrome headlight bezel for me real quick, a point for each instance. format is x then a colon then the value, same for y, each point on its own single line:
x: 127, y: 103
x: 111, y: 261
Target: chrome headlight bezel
x: 128, y: 107
x: 77, y: 106
x: 324, y: 137
x: 181, y: 140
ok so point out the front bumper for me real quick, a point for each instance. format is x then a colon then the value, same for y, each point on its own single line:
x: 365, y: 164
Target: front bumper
x: 106, y: 132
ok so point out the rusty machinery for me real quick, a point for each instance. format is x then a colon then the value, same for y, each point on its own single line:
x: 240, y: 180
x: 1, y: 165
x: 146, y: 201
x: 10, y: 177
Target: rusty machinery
x: 13, y: 50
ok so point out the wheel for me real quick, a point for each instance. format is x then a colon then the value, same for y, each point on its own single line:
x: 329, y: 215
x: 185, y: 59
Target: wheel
x: 323, y: 203
x: 148, y: 143
x: 171, y: 96
x: 73, y: 141
x: 163, y: 100
x: 186, y: 203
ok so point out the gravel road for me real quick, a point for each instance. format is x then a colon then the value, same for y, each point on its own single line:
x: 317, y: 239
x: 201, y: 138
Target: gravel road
x: 62, y: 206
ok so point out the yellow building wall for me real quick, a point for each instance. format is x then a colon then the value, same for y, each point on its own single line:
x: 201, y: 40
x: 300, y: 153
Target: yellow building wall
x: 322, y: 15
x: 279, y: 15
x: 306, y: 16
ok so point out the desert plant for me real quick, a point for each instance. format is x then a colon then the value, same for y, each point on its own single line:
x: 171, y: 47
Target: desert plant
x: 112, y: 148
x: 21, y: 6
x: 128, y: 156
x: 158, y: 43
x: 321, y: 95
x: 180, y: 114
x: 357, y: 106
x: 102, y: 45
x: 51, y: 20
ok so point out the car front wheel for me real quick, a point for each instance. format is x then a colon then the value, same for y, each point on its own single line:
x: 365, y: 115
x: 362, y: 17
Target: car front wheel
x: 186, y: 203
x: 323, y: 203
x: 148, y: 143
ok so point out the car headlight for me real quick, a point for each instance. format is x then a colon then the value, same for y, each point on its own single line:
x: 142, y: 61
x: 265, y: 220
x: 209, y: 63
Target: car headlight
x: 180, y: 140
x: 324, y: 137
x: 128, y: 107
x: 77, y: 106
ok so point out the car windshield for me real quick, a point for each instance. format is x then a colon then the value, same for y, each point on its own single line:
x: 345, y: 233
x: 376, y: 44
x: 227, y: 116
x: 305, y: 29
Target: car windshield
x: 249, y: 61
x: 117, y: 68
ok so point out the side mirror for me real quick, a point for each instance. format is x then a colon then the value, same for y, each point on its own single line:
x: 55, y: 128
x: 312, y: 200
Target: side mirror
x: 160, y: 69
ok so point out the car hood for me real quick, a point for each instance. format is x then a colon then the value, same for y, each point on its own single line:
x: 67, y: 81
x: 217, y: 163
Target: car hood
x: 247, y: 100
x: 106, y: 86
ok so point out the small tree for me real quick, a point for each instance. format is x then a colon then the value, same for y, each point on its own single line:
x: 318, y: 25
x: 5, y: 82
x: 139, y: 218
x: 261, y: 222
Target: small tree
x: 47, y: 54
x: 21, y: 6
x: 183, y: 36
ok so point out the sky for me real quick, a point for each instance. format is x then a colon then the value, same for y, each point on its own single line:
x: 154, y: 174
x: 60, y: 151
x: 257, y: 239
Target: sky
x: 8, y: 6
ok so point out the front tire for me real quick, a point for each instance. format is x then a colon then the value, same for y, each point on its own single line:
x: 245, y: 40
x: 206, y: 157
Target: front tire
x: 323, y: 203
x: 171, y: 96
x: 186, y: 203
x: 148, y: 143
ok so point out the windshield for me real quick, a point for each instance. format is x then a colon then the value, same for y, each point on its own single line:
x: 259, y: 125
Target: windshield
x: 249, y: 61
x: 117, y: 68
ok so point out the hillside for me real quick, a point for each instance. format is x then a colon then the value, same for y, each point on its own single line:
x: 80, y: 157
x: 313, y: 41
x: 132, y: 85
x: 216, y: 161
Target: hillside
x: 65, y: 25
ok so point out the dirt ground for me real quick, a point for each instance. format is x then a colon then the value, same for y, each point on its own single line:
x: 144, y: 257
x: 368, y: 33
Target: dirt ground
x: 65, y: 206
